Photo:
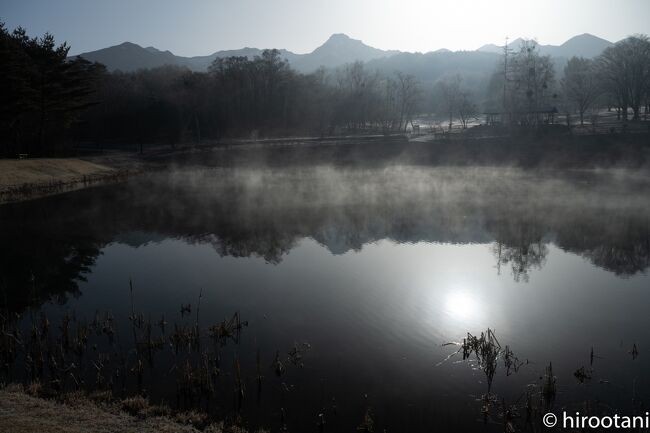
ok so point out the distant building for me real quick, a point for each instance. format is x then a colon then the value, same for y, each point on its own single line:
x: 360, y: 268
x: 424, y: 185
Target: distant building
x: 538, y: 117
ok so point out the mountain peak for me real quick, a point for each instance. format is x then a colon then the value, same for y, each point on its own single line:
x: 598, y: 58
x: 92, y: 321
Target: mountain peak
x: 585, y: 45
x: 341, y: 40
x: 339, y: 36
x: 586, y: 38
x: 583, y: 36
x: 338, y: 50
x: 127, y: 44
x: 516, y: 43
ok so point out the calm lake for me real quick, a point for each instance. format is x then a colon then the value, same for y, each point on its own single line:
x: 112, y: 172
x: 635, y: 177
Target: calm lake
x: 356, y: 278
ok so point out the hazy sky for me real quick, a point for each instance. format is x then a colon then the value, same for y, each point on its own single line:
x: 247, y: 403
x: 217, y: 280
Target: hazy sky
x: 200, y: 27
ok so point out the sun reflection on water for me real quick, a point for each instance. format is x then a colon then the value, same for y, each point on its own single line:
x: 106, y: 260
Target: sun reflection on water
x: 462, y: 305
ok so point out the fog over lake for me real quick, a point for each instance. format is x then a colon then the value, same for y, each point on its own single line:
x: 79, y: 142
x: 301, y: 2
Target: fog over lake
x: 370, y: 269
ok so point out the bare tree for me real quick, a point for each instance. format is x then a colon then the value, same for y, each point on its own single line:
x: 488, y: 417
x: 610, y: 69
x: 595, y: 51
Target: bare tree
x: 625, y: 72
x: 449, y: 96
x: 532, y: 77
x: 389, y: 105
x: 580, y: 85
x: 407, y: 95
x: 358, y: 94
x: 467, y: 109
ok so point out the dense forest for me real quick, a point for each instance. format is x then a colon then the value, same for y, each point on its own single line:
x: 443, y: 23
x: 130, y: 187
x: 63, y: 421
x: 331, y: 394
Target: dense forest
x: 50, y: 102
x: 42, y: 92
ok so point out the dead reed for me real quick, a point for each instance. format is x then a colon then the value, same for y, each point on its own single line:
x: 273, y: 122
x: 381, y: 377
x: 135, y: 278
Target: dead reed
x: 55, y: 357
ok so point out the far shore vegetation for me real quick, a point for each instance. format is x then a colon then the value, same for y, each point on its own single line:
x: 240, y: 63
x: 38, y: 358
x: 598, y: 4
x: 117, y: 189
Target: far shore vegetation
x: 51, y: 103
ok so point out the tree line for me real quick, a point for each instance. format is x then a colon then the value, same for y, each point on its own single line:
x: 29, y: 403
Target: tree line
x: 242, y: 97
x: 42, y: 92
x: 50, y: 102
x: 526, y: 90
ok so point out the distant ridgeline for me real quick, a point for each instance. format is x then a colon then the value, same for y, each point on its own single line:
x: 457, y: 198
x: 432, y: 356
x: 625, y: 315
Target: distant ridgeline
x: 340, y: 49
x: 53, y: 103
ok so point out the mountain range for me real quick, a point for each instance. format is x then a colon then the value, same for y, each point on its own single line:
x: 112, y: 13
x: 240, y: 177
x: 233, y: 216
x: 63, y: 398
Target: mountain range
x: 584, y: 45
x: 338, y: 50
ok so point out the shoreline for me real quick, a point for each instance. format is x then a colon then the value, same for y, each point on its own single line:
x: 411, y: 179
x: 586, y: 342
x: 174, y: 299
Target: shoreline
x: 24, y: 410
x: 22, y: 180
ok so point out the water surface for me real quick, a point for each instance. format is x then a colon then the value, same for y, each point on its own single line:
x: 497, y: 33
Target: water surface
x: 373, y: 268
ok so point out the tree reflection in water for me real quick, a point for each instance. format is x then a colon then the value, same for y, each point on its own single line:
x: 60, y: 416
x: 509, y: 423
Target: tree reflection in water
x: 50, y: 244
x: 522, y: 257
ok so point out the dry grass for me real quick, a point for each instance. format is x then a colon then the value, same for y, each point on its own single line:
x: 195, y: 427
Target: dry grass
x: 75, y: 412
x: 23, y: 413
x: 33, y: 178
x: 193, y: 418
x: 135, y: 405
x: 15, y: 172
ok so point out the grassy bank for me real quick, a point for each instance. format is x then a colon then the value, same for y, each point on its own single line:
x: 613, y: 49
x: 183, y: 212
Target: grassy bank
x: 32, y: 178
x: 22, y: 411
x: 45, y: 170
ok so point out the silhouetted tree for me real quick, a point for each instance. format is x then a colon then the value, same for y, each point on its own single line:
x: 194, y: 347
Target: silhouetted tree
x: 16, y: 95
x: 467, y: 109
x: 580, y: 85
x: 357, y: 96
x: 389, y: 108
x: 449, y: 95
x: 530, y: 92
x: 407, y: 95
x: 44, y: 90
x: 625, y: 71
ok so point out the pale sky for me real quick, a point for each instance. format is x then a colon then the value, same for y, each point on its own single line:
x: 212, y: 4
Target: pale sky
x: 200, y: 27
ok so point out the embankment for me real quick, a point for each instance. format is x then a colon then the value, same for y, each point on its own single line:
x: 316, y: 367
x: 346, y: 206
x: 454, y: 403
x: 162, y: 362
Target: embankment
x: 32, y: 178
